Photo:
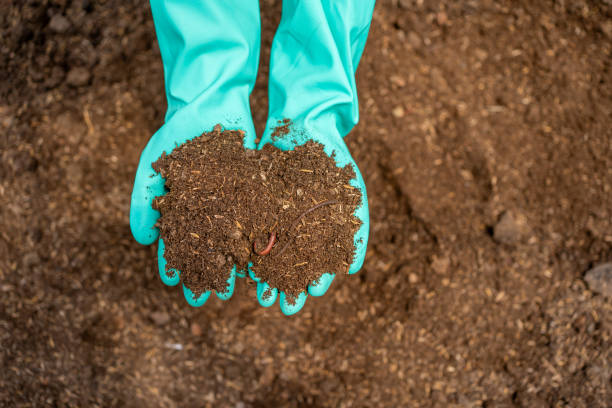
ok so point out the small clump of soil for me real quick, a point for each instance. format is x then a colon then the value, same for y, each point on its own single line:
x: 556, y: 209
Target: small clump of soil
x: 283, y: 127
x: 290, y: 214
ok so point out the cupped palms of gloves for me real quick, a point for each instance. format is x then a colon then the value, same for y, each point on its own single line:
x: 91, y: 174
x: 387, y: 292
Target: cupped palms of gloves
x: 183, y: 126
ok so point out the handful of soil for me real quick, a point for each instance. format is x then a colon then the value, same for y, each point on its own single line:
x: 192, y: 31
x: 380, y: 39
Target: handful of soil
x: 289, y: 213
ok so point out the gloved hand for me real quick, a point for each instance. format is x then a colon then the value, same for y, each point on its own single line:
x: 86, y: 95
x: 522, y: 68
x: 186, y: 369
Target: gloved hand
x: 210, y: 52
x: 312, y: 82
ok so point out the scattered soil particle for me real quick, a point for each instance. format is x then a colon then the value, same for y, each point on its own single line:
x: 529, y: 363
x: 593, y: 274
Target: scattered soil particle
x: 290, y: 213
x: 160, y: 318
x: 283, y: 128
x: 78, y: 77
x: 511, y: 228
x: 599, y: 279
x: 59, y: 24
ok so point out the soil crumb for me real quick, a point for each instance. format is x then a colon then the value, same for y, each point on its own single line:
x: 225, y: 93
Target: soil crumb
x: 288, y: 214
x: 283, y: 127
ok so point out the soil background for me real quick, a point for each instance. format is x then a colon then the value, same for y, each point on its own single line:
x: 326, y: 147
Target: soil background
x: 485, y: 144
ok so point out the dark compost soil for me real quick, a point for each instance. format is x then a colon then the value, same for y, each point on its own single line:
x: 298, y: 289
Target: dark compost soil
x: 289, y: 214
x: 485, y: 145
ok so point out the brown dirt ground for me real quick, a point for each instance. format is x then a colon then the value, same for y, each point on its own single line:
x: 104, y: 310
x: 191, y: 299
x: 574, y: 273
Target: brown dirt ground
x: 470, y: 109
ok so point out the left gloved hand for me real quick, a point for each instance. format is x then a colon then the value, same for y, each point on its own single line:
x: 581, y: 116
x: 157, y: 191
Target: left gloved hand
x: 210, y: 54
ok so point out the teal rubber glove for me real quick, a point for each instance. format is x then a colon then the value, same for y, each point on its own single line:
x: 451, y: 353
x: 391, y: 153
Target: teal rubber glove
x: 312, y: 82
x: 210, y: 52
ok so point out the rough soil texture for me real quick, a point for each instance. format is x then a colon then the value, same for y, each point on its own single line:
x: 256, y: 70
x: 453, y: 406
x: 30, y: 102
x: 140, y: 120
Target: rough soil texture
x: 484, y: 142
x: 288, y: 214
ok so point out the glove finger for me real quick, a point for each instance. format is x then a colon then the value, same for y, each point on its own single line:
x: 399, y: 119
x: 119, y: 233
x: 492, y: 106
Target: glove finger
x: 289, y: 309
x: 243, y: 273
x: 195, y: 301
x: 231, y: 283
x: 319, y: 287
x: 266, y: 295
x: 252, y: 274
x: 170, y: 277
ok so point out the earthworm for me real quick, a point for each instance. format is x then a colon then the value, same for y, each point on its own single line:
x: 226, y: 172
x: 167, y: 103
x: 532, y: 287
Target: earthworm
x: 294, y: 223
x: 268, y: 248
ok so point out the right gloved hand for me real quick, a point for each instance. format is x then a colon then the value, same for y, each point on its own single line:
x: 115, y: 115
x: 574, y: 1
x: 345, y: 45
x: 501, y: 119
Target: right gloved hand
x: 312, y: 82
x: 210, y: 54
